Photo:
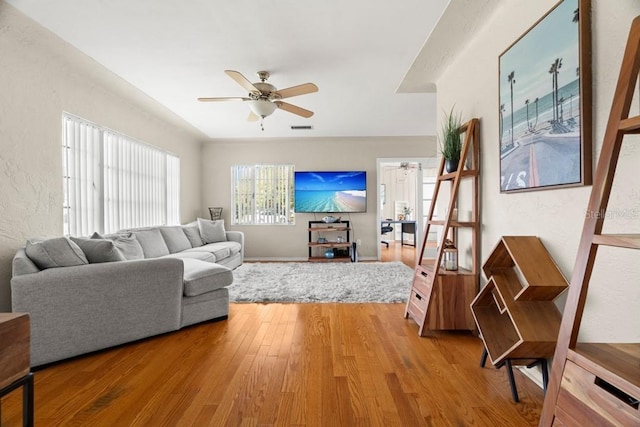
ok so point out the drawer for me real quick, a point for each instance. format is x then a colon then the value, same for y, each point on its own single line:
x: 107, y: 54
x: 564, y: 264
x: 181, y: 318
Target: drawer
x: 586, y: 399
x: 417, y: 307
x: 421, y: 284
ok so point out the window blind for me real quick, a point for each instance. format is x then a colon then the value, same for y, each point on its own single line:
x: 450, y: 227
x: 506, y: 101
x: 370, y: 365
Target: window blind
x: 112, y: 182
x: 262, y: 194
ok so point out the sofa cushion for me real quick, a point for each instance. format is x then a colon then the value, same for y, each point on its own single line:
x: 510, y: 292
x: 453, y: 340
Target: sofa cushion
x: 192, y: 253
x: 153, y: 245
x: 192, y: 232
x: 126, y: 243
x: 99, y: 250
x: 202, y: 277
x: 175, y: 239
x: 220, y: 250
x: 212, y: 231
x: 56, y: 252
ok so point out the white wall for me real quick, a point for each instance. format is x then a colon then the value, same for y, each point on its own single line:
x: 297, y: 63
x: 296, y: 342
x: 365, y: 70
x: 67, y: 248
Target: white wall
x: 556, y: 216
x: 290, y: 242
x: 40, y: 77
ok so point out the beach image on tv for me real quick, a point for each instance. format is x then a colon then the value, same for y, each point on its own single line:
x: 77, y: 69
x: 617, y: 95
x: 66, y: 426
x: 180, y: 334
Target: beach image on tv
x: 330, y: 192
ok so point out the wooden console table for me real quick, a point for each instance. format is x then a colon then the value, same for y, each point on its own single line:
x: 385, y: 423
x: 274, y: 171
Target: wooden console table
x: 15, y: 361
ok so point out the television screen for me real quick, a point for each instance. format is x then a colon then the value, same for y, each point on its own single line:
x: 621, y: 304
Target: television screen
x: 331, y: 192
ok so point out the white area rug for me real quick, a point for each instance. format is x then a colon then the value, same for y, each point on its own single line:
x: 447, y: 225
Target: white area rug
x: 321, y: 282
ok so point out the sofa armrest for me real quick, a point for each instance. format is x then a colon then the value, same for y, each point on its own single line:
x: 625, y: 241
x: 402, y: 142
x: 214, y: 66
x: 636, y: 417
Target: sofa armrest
x: 237, y: 236
x: 76, y: 310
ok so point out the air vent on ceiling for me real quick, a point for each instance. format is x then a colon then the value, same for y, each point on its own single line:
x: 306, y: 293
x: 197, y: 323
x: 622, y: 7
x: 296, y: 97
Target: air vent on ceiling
x: 305, y: 127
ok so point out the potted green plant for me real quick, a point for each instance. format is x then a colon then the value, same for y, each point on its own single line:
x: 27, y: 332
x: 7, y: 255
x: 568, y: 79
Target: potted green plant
x: 450, y: 141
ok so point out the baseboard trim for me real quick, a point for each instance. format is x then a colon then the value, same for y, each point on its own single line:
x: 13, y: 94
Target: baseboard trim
x: 292, y: 259
x: 534, y: 374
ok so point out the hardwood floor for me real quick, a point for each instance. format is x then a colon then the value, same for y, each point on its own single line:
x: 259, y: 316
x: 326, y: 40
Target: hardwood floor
x: 398, y: 252
x: 289, y: 365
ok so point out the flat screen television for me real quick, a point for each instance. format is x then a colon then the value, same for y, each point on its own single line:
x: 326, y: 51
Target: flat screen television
x: 330, y: 192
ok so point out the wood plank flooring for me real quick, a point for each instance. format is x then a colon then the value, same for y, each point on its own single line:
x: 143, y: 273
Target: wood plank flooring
x: 284, y: 365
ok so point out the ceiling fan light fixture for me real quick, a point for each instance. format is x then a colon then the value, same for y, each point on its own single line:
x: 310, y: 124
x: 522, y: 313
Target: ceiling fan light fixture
x: 262, y: 107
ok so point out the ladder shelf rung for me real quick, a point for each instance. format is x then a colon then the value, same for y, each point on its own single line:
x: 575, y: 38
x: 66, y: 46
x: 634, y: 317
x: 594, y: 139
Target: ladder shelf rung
x: 453, y: 223
x: 463, y: 174
x: 630, y: 125
x: 630, y: 241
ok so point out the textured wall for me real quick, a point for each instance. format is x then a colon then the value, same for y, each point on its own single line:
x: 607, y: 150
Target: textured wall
x: 40, y: 77
x: 556, y: 216
x: 290, y: 242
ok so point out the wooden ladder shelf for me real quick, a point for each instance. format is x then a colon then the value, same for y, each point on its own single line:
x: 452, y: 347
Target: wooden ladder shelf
x: 440, y: 299
x: 599, y: 384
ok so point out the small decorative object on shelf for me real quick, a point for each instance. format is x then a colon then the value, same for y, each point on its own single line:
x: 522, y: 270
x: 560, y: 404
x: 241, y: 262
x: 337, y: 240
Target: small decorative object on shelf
x: 329, y: 253
x: 450, y: 141
x: 330, y: 219
x: 322, y: 240
x: 407, y: 213
x: 450, y: 253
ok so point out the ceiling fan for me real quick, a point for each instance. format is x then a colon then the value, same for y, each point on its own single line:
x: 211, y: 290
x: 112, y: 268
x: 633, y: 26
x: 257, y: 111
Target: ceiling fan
x: 264, y: 98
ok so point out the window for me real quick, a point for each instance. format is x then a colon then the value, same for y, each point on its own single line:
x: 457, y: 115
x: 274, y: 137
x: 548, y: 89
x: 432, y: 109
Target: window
x: 262, y: 194
x: 112, y: 182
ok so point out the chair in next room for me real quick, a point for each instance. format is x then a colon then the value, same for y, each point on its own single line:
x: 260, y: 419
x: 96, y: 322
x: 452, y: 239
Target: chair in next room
x: 385, y: 228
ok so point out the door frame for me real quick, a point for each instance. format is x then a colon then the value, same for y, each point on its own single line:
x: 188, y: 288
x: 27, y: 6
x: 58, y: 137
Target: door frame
x: 422, y: 162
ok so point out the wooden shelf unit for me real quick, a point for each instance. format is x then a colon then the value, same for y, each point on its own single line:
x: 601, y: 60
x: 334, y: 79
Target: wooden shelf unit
x: 439, y: 299
x: 515, y: 312
x: 599, y: 383
x: 342, y: 228
x: 15, y: 361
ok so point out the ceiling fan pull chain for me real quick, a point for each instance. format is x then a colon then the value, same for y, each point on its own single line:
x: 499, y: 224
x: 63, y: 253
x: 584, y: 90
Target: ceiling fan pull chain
x: 262, y: 123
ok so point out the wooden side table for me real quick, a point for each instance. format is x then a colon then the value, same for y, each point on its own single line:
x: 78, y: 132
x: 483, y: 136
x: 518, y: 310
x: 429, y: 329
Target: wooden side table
x: 515, y: 312
x: 15, y: 361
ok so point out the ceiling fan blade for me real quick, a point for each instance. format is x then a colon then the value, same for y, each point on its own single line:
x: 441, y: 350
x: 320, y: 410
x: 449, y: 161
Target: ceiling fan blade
x: 252, y: 117
x: 224, y: 98
x: 297, y: 90
x: 242, y: 81
x: 294, y: 109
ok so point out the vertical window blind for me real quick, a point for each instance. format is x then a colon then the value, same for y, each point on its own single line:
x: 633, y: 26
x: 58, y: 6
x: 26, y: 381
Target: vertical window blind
x: 113, y: 182
x: 262, y: 194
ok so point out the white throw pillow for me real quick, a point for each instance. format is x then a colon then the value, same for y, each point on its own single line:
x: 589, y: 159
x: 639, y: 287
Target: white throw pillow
x: 212, y: 231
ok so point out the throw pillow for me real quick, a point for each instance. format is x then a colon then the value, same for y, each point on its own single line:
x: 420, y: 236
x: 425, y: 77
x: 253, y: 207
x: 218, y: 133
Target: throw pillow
x: 212, y: 231
x: 152, y: 243
x: 126, y: 243
x: 192, y: 232
x: 56, y: 252
x: 99, y: 250
x: 175, y: 239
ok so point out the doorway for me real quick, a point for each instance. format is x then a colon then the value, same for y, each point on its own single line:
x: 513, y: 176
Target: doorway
x: 404, y: 195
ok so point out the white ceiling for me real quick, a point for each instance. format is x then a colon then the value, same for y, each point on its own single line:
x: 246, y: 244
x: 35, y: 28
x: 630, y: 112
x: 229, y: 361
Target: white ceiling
x: 357, y: 52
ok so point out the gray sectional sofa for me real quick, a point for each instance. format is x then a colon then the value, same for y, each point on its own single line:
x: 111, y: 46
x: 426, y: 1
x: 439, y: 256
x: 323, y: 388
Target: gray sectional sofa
x: 87, y: 294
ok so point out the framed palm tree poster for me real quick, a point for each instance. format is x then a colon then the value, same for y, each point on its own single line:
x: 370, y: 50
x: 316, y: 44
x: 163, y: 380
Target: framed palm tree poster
x: 545, y: 103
